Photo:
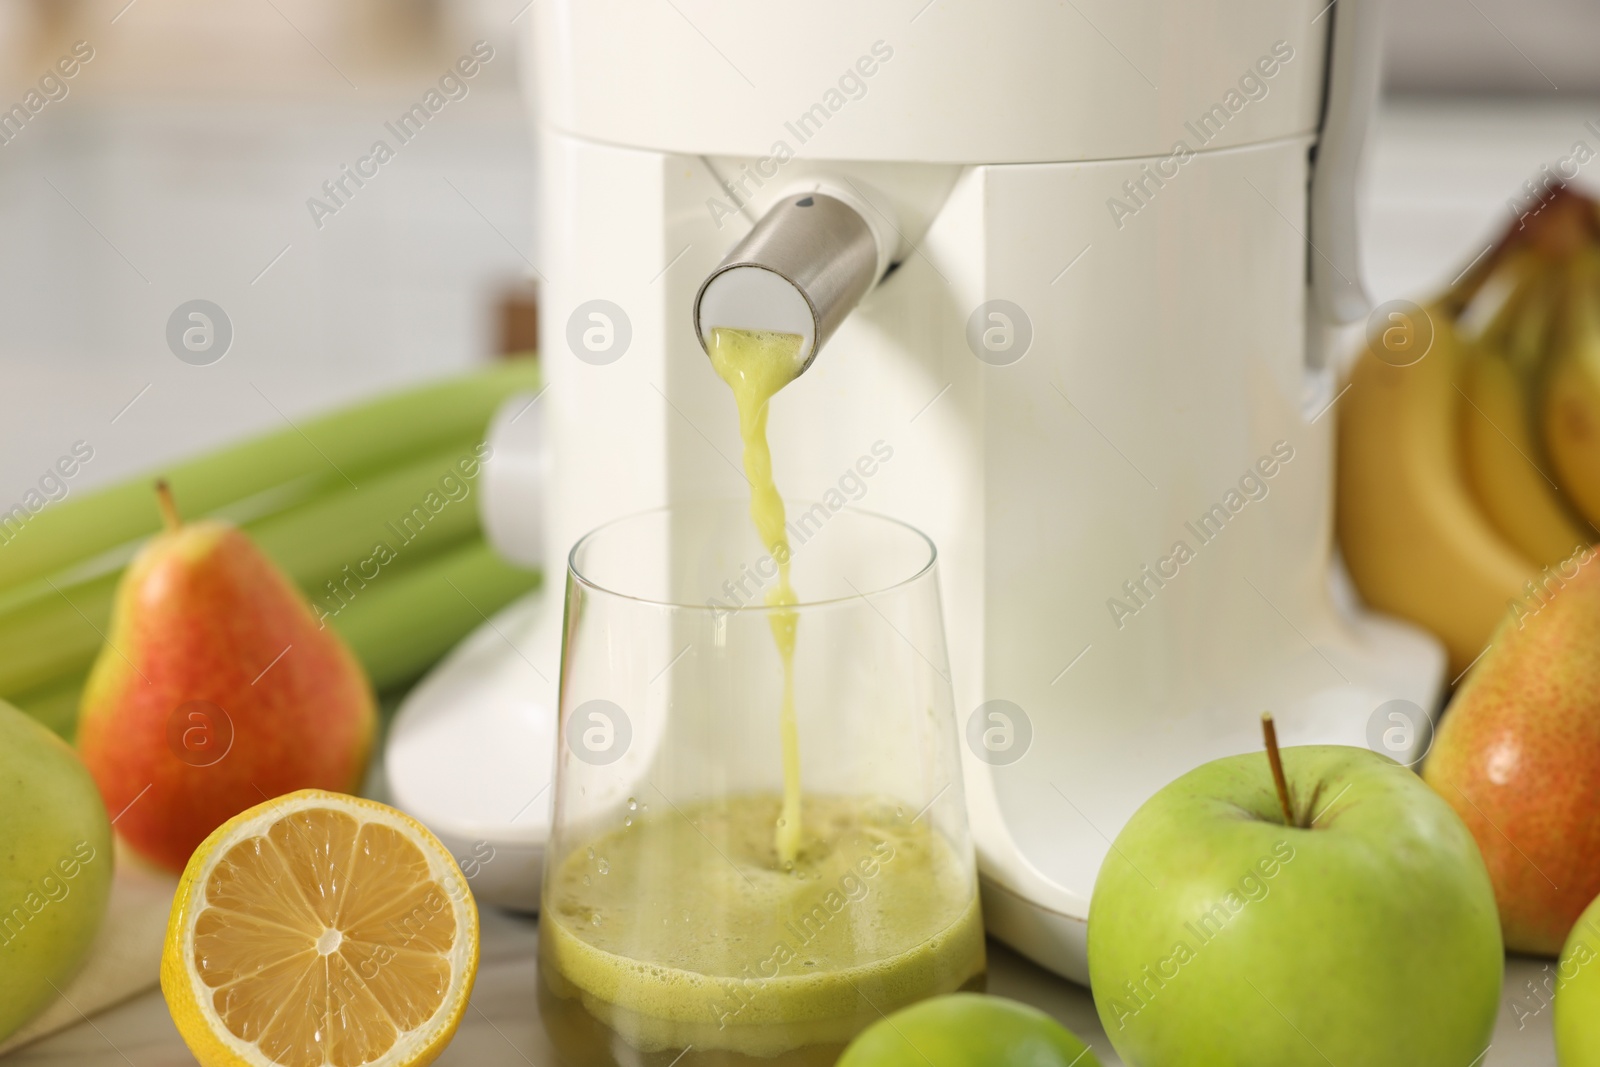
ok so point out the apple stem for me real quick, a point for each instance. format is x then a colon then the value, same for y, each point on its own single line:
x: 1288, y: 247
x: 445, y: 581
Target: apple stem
x: 169, y: 507
x: 1269, y: 731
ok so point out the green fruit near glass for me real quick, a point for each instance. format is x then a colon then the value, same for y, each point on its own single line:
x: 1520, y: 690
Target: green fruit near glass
x: 55, y: 866
x: 1322, y: 905
x: 968, y: 1030
x: 1577, y: 1010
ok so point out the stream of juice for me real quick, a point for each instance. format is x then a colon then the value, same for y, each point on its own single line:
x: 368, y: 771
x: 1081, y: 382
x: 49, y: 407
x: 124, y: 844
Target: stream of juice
x: 756, y: 364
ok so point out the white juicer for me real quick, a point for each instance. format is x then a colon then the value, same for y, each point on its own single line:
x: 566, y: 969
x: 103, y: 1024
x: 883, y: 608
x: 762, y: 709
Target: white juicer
x: 1068, y: 272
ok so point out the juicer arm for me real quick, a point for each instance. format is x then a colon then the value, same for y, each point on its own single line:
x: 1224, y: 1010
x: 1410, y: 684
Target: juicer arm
x: 1354, y: 57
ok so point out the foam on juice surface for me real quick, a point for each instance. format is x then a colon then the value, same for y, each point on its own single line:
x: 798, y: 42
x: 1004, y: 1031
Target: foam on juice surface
x: 682, y: 929
x: 756, y: 364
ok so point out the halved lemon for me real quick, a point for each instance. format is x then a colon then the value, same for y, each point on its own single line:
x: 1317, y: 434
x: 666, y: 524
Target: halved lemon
x: 320, y: 929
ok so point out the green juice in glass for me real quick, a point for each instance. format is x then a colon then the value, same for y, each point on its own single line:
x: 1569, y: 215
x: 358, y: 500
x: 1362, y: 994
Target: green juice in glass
x: 738, y: 959
x: 758, y: 929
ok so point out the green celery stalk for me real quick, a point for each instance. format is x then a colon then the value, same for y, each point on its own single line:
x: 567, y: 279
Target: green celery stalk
x: 54, y: 638
x: 55, y: 705
x: 262, y: 476
x: 400, y: 628
x: 347, y: 541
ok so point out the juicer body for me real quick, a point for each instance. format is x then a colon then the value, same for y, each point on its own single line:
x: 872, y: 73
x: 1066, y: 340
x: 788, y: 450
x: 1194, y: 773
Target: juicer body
x: 1093, y: 374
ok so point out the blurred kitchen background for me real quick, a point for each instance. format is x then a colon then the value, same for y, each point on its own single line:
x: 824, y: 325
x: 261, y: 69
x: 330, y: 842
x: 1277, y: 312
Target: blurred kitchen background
x: 180, y: 160
x: 179, y: 166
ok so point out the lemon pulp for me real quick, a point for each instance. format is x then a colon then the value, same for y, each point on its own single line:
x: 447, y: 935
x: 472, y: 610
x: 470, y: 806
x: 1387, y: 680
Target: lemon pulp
x: 324, y: 940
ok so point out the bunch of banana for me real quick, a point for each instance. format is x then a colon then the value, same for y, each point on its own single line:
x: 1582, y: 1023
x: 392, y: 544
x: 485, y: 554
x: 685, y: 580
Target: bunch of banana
x: 1467, y: 472
x: 318, y: 499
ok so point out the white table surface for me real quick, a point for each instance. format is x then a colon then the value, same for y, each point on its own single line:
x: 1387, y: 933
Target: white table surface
x: 502, y: 1025
x: 1440, y: 175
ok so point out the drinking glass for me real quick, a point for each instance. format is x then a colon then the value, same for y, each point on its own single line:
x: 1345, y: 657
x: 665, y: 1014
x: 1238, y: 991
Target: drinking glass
x: 675, y: 927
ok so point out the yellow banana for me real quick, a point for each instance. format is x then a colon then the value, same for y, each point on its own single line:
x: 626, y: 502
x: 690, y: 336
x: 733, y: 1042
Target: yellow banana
x: 1526, y: 338
x: 1413, y: 538
x: 1500, y: 453
x: 1572, y: 395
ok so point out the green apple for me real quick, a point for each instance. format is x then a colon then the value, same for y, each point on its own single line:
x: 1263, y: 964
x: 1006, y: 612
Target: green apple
x: 1365, y: 933
x: 967, y: 1030
x: 55, y: 865
x: 1577, y: 1010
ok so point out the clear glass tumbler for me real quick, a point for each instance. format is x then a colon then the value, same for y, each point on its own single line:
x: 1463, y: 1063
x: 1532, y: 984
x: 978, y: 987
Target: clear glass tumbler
x: 684, y: 920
